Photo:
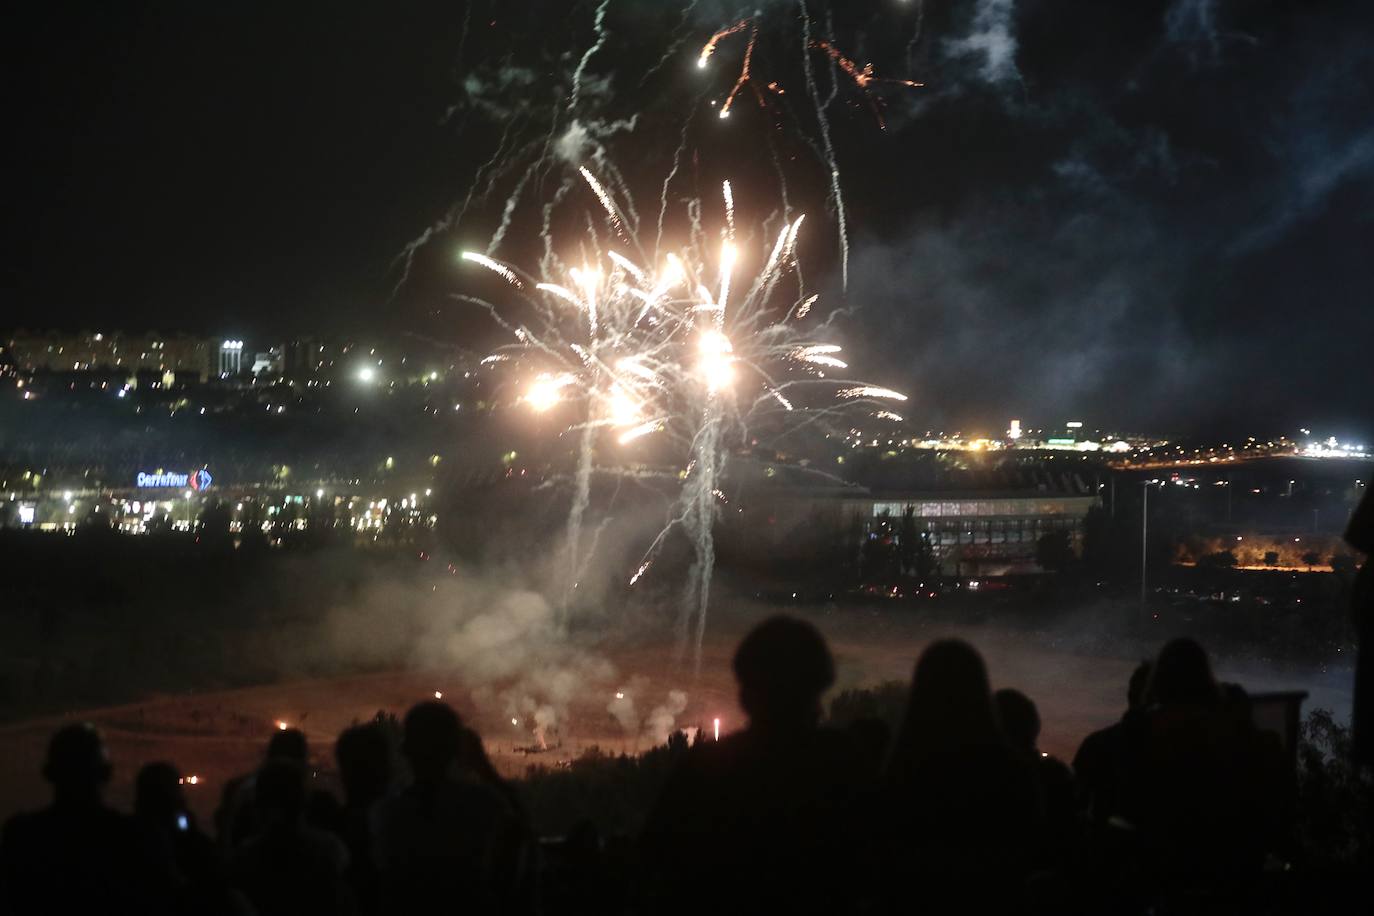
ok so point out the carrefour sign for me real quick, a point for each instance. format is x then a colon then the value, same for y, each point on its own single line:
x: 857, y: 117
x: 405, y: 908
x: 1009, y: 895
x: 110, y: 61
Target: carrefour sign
x: 196, y: 480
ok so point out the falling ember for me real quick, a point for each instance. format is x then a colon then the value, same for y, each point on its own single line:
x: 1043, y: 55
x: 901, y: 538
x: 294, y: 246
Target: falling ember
x: 871, y: 391
x: 716, y: 723
x: 438, y: 694
x: 642, y: 429
x: 496, y: 266
x: 515, y: 722
x: 189, y: 780
x: 729, y: 196
x: 643, y: 568
x: 619, y: 695
x: 727, y: 267
x: 605, y: 199
x: 806, y: 305
x: 743, y: 74
x: 889, y: 415
x: 710, y: 47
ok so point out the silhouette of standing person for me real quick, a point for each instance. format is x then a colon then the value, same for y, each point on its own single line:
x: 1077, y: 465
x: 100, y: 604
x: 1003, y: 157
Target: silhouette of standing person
x: 1360, y: 535
x: 767, y: 814
x: 77, y: 855
x: 965, y: 807
x: 289, y: 867
x: 439, y: 844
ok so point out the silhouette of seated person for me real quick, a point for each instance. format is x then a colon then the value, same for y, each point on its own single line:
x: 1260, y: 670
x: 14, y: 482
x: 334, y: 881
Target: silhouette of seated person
x: 78, y: 855
x: 438, y: 844
x: 1020, y: 723
x: 769, y: 813
x: 364, y: 757
x: 1106, y: 758
x: 1200, y: 792
x: 965, y: 808
x: 289, y: 867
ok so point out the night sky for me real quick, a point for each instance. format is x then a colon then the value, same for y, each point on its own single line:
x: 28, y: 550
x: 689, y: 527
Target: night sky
x: 1152, y: 215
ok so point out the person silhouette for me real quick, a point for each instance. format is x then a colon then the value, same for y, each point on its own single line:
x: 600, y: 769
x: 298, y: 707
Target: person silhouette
x: 439, y: 843
x: 161, y: 811
x: 363, y: 754
x: 78, y: 855
x: 965, y: 808
x: 1101, y: 765
x: 287, y: 866
x: 1020, y: 723
x: 237, y: 817
x: 1198, y: 782
x: 1359, y: 533
x: 772, y: 812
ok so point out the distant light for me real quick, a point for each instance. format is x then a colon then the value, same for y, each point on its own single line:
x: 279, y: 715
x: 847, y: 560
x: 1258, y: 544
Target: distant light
x: 366, y: 374
x: 281, y: 726
x: 319, y: 494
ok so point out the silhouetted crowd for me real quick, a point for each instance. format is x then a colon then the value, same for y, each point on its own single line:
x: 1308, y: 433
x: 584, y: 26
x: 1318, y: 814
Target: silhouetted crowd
x: 1181, y: 806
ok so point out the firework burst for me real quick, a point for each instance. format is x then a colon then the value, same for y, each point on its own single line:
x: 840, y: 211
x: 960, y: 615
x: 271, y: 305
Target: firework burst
x: 691, y: 345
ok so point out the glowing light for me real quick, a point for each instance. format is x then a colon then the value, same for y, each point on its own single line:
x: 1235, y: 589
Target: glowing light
x: 715, y: 367
x: 547, y: 391
x: 367, y: 374
x: 438, y: 694
x: 716, y: 723
x: 281, y: 725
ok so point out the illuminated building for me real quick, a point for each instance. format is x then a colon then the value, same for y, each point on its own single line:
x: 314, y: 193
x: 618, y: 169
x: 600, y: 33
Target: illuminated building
x: 51, y: 351
x: 974, y: 524
x: 230, y: 358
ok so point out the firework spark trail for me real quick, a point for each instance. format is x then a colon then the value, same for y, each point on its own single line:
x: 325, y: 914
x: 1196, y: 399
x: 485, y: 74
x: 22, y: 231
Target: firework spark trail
x: 681, y: 33
x: 710, y: 47
x: 599, y: 25
x: 743, y: 74
x: 863, y: 78
x: 829, y: 147
x: 672, y: 173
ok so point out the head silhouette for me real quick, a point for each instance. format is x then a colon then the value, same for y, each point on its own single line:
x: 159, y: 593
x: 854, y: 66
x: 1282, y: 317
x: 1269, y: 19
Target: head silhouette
x: 433, y: 739
x: 288, y: 744
x: 157, y: 792
x: 1019, y: 718
x: 78, y: 764
x: 1139, y: 685
x: 950, y: 705
x: 783, y: 666
x: 1182, y: 676
x: 364, y: 757
x: 280, y: 791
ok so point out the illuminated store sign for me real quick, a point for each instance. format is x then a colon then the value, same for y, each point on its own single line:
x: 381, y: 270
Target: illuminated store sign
x: 196, y: 480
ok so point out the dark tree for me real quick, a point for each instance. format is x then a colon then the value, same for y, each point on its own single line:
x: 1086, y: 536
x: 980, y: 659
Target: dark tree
x: 1053, y: 551
x: 1222, y: 559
